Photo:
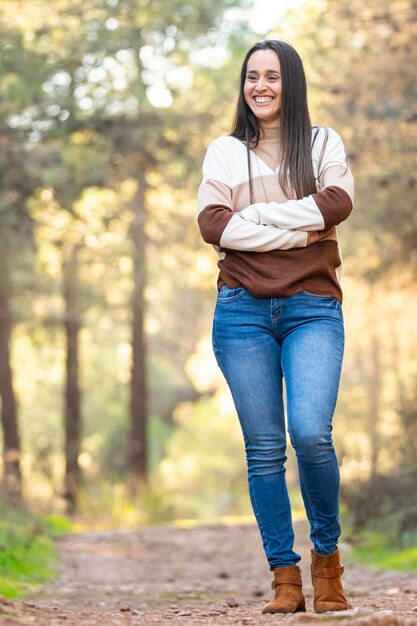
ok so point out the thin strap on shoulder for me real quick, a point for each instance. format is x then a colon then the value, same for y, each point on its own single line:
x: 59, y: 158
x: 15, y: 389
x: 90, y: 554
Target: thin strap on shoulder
x: 316, y: 132
x: 248, y: 158
x: 323, y: 147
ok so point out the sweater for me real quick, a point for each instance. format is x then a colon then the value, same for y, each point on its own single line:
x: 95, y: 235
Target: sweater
x: 264, y: 246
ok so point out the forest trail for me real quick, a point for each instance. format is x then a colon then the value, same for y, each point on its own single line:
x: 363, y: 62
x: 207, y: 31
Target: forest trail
x: 208, y: 574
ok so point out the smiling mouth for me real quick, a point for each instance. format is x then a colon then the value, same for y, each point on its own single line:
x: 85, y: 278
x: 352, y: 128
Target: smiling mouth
x: 263, y: 99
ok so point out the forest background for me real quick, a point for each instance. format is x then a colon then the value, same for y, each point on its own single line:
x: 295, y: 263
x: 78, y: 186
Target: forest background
x: 112, y: 406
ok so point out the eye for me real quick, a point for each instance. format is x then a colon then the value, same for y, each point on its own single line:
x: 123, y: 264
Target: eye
x: 252, y: 77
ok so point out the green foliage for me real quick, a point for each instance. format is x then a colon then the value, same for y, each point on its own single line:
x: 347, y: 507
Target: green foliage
x: 83, y: 125
x: 376, y: 549
x: 108, y: 504
x: 363, y: 45
x: 203, y: 472
x: 201, y: 475
x: 27, y: 553
x: 386, y: 505
x: 56, y: 525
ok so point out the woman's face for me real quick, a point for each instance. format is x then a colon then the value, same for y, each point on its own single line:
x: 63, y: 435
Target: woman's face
x: 263, y: 87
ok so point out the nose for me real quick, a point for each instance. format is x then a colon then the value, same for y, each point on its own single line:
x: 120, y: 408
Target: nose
x: 260, y: 85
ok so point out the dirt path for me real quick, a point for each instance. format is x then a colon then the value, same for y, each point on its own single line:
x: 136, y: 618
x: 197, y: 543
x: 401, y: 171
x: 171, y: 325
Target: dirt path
x: 190, y: 576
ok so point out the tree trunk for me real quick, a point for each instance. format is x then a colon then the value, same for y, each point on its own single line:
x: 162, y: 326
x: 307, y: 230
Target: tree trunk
x: 375, y: 390
x: 138, y: 457
x: 11, y: 447
x: 72, y: 390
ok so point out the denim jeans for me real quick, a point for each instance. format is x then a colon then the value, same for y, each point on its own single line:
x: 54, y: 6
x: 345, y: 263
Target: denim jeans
x: 257, y: 343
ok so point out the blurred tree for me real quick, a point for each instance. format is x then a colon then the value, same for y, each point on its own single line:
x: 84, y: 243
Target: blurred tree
x: 72, y: 387
x: 361, y: 62
x: 65, y: 157
x: 11, y: 439
x: 73, y: 240
x: 18, y: 177
x: 107, y: 73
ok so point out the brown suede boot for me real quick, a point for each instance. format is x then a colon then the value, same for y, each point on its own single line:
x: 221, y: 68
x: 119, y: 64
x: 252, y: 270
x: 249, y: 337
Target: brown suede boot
x: 325, y: 575
x: 289, y: 597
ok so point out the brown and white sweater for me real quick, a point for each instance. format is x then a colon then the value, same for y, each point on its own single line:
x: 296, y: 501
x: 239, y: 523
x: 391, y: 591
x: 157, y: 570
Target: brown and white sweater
x: 263, y: 247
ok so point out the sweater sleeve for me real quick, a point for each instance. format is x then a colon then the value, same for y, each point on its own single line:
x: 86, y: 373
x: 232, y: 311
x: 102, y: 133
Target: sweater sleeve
x: 221, y: 226
x: 333, y: 201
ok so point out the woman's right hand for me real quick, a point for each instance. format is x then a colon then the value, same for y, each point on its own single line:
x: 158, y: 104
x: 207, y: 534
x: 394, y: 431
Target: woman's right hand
x: 317, y: 235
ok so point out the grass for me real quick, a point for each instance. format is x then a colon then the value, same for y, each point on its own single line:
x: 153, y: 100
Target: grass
x: 27, y: 552
x: 375, y: 549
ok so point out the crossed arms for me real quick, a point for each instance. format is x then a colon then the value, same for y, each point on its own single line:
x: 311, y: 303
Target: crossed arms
x: 266, y: 226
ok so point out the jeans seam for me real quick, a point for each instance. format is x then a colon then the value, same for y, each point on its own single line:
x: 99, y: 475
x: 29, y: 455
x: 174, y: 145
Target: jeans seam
x: 217, y: 354
x: 313, y: 512
x: 258, y: 518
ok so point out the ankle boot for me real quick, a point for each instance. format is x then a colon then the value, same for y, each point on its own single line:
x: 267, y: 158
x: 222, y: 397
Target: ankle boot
x: 289, y: 597
x: 328, y: 590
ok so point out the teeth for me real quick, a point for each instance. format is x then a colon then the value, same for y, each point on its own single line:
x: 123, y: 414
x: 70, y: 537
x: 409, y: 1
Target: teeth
x: 263, y: 99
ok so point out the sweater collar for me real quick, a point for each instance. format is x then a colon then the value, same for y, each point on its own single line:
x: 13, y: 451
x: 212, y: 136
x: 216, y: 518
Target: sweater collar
x: 270, y: 133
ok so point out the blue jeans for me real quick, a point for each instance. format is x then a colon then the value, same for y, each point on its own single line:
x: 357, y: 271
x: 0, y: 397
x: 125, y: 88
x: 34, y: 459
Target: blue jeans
x: 257, y: 342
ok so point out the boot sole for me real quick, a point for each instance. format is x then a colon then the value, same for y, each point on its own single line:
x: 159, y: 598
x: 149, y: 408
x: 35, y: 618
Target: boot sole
x: 333, y: 610
x: 284, y: 612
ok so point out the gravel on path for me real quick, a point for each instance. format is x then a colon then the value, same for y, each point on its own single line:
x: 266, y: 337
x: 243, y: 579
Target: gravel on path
x: 204, y: 574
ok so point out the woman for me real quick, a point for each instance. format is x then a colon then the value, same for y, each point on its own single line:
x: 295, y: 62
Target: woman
x: 271, y: 197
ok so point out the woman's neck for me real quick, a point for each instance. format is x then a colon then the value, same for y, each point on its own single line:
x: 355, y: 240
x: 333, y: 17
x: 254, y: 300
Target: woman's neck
x: 270, y: 132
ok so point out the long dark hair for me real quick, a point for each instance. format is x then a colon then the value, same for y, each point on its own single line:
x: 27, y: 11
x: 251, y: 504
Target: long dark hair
x: 296, y: 175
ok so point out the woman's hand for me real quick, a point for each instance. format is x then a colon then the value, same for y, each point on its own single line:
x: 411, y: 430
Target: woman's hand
x: 317, y: 235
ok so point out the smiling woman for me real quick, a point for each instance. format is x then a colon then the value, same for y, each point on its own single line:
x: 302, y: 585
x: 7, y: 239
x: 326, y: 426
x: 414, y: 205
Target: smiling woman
x: 262, y: 88
x: 272, y: 194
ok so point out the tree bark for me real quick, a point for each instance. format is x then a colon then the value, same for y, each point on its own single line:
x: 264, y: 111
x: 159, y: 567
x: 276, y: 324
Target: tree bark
x: 138, y: 453
x: 375, y: 390
x: 72, y: 389
x: 11, y: 447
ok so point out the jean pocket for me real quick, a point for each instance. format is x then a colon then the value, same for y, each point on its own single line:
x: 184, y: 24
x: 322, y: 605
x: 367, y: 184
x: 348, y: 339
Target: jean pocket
x: 320, y: 296
x: 230, y: 294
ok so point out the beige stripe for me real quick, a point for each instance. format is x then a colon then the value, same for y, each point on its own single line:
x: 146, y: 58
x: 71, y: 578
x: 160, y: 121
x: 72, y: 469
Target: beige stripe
x: 214, y: 192
x: 266, y: 189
